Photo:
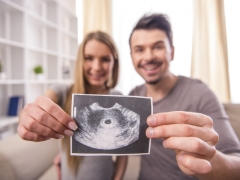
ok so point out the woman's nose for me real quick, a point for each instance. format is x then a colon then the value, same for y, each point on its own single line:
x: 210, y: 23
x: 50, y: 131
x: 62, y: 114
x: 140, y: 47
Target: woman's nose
x: 96, y: 65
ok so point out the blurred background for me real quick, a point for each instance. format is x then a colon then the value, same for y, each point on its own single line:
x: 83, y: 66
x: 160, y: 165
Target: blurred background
x: 39, y: 41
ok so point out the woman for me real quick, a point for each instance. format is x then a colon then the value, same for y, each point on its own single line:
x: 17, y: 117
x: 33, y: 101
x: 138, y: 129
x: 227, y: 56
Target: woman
x: 96, y: 72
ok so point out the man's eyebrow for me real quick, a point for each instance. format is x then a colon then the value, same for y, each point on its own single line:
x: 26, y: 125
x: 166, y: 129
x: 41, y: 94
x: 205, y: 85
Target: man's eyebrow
x: 138, y: 46
x: 158, y: 42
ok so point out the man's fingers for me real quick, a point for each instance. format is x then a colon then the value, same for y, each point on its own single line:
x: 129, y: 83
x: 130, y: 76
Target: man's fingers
x: 30, y: 136
x: 179, y: 117
x: 190, y: 145
x: 53, y: 109
x: 192, y: 165
x: 42, y: 117
x: 183, y: 130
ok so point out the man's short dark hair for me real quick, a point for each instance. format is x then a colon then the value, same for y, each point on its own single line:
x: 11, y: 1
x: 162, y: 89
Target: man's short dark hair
x: 154, y: 21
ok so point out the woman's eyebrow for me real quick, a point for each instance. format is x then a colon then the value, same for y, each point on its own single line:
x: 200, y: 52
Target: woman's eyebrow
x: 106, y: 56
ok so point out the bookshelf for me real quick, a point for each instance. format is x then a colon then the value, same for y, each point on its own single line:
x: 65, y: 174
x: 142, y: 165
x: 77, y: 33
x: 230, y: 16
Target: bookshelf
x: 35, y: 32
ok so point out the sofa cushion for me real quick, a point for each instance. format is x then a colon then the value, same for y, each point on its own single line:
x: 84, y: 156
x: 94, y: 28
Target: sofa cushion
x: 233, y: 112
x: 24, y: 160
x: 50, y: 174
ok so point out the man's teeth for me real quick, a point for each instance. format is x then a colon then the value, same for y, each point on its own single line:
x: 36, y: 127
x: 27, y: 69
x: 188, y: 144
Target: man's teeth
x: 149, y: 68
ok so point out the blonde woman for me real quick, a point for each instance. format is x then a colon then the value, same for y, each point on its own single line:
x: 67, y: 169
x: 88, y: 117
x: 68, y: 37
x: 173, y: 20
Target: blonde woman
x: 96, y: 72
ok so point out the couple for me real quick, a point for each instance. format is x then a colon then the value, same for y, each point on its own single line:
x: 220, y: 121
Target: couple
x: 187, y: 116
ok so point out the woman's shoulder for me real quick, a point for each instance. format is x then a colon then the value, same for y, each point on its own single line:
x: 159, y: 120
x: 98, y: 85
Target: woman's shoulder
x: 114, y: 92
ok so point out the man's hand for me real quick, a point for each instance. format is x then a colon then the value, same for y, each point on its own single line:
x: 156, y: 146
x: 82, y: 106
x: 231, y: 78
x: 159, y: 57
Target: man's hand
x: 191, y: 135
x: 43, y: 119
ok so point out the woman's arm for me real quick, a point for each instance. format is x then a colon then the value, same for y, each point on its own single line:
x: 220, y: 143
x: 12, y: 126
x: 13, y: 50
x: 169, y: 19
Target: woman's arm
x: 121, y: 164
x: 51, y: 95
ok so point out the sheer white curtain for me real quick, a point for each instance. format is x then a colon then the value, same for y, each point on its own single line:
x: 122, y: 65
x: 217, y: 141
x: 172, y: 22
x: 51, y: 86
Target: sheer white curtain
x: 232, y: 15
x: 210, y: 53
x: 125, y: 14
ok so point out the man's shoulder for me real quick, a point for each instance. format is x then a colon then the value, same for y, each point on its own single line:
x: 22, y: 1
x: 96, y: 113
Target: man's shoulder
x: 194, y: 86
x: 138, y: 91
x: 193, y: 83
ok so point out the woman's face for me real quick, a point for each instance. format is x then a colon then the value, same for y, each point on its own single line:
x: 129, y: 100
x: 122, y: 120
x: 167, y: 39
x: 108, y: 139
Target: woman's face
x: 98, y: 63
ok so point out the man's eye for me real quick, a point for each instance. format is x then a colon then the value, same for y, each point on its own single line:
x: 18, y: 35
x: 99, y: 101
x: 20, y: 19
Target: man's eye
x: 138, y: 50
x: 158, y: 47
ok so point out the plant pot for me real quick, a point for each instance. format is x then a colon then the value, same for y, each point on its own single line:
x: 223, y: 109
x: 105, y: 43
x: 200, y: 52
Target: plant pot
x: 3, y: 75
x: 40, y: 77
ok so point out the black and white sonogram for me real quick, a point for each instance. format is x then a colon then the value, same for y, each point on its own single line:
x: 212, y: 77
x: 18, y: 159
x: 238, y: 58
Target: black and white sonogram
x: 110, y: 124
x: 117, y: 126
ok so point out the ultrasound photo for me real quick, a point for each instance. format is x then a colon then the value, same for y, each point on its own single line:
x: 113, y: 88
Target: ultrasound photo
x: 110, y: 125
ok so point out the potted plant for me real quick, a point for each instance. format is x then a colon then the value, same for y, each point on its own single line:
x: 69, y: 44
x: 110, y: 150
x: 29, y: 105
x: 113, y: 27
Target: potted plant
x: 38, y: 70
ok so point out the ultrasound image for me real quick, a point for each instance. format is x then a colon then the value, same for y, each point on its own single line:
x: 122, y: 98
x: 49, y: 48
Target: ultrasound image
x: 106, y: 128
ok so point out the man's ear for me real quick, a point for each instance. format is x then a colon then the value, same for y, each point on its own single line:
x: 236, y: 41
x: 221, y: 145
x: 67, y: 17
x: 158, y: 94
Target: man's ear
x: 172, y: 53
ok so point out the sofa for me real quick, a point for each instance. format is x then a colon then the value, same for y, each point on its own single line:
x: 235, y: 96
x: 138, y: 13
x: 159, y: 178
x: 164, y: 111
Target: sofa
x: 23, y: 160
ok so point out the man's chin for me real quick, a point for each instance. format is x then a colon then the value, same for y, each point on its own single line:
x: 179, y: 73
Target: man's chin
x: 152, y: 82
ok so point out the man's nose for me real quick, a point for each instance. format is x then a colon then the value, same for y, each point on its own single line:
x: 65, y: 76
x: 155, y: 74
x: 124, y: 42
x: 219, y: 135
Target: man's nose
x: 148, y: 55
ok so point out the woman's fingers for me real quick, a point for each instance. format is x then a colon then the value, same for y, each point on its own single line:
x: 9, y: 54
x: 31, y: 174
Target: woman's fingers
x: 44, y: 119
x: 45, y: 122
x: 34, y: 126
x: 30, y: 136
x: 54, y: 110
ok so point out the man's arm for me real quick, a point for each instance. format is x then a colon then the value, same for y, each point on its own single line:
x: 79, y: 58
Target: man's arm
x: 223, y: 167
x: 193, y: 138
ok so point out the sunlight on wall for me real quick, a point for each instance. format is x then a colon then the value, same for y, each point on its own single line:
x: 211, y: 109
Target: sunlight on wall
x: 80, y: 20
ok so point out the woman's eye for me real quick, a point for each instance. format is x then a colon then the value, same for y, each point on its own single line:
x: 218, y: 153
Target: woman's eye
x: 105, y: 59
x: 88, y: 58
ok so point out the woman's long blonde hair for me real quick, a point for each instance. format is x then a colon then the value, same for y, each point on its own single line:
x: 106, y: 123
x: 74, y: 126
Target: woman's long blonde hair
x: 79, y: 85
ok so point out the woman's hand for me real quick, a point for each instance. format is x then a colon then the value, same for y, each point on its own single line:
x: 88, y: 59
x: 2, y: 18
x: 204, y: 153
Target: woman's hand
x: 43, y: 119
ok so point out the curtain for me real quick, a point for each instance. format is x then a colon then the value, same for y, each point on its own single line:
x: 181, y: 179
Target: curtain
x: 209, y: 53
x: 97, y: 16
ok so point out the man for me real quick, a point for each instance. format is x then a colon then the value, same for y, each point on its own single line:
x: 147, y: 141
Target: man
x: 184, y: 144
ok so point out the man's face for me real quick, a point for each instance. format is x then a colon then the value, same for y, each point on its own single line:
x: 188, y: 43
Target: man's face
x: 151, y: 54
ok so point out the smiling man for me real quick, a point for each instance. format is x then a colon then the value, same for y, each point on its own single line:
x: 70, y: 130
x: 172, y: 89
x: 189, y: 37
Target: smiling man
x: 192, y: 137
